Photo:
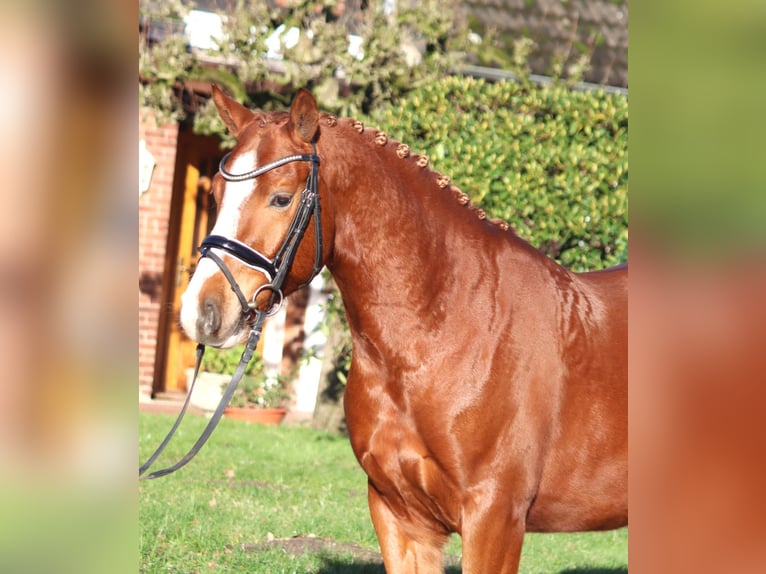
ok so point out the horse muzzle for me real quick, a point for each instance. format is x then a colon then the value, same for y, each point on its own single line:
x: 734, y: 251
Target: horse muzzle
x: 211, y: 314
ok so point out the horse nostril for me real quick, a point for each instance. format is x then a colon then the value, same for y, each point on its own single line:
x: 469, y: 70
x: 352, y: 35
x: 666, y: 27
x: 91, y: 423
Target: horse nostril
x: 210, y: 319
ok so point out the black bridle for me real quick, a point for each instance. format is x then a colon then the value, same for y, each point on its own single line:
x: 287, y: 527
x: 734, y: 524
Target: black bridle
x: 274, y: 269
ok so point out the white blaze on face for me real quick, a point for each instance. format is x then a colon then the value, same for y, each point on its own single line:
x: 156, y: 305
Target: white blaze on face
x: 226, y: 225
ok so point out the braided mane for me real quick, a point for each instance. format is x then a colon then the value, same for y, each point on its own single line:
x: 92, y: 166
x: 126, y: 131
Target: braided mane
x: 403, y: 152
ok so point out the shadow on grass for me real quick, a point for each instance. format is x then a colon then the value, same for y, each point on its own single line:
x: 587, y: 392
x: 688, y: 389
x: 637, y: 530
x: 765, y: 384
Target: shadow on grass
x: 346, y: 558
x: 333, y: 566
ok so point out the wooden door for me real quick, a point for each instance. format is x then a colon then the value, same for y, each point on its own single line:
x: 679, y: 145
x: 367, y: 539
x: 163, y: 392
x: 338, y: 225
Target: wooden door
x: 192, y: 217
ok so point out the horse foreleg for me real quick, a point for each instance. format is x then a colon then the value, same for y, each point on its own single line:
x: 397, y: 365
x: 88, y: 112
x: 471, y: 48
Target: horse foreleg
x: 492, y: 542
x: 404, y: 551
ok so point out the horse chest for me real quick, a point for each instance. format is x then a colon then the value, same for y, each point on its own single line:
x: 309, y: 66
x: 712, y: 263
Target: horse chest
x: 408, y: 477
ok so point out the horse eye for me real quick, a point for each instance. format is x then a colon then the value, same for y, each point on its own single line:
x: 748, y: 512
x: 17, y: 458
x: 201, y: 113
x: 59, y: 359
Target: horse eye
x: 280, y: 200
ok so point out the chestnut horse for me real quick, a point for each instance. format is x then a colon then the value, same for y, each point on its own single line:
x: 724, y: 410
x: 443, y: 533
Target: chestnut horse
x: 488, y: 389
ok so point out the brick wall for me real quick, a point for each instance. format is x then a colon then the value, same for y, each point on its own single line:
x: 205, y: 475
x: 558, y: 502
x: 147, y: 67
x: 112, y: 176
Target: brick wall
x: 154, y: 215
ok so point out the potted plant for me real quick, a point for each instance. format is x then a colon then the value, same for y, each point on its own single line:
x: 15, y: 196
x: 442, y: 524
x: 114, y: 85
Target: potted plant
x: 257, y: 398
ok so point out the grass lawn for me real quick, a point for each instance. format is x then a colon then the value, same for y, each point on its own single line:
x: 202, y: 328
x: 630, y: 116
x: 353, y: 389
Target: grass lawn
x: 276, y: 500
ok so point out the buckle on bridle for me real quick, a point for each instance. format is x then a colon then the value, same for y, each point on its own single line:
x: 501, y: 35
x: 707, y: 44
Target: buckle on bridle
x: 274, y: 306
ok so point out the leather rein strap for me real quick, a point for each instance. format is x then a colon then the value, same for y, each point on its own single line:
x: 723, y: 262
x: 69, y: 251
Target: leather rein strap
x: 247, y: 354
x: 274, y: 269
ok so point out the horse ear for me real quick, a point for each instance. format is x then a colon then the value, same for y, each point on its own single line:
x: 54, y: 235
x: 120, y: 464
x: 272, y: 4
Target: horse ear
x: 304, y: 116
x: 234, y: 115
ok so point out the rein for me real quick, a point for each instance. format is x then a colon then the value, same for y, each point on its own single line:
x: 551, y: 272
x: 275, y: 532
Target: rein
x: 275, y: 270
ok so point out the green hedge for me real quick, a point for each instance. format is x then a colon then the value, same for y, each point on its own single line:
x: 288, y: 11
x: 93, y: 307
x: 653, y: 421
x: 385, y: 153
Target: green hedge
x: 551, y: 161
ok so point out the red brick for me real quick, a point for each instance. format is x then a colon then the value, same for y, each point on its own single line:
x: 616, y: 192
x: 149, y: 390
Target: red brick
x: 154, y: 214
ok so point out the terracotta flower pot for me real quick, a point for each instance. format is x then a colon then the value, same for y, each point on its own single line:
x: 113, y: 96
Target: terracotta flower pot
x: 259, y: 416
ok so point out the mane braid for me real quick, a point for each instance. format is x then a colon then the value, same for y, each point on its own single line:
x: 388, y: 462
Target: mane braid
x: 402, y: 151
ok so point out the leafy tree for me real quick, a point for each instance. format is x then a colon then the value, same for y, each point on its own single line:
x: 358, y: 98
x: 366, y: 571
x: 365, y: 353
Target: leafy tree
x: 354, y: 56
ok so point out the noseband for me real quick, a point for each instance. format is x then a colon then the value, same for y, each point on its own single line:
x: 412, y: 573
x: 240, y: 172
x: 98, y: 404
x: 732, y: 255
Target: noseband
x: 275, y: 269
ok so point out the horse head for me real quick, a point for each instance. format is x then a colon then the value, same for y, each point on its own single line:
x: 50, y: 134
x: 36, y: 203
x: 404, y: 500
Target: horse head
x: 267, y: 240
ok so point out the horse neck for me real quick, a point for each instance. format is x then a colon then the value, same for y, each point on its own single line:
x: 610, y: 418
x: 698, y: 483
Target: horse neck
x: 403, y: 236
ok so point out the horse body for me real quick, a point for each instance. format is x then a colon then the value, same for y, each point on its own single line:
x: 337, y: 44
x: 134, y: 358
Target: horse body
x: 488, y: 388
